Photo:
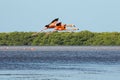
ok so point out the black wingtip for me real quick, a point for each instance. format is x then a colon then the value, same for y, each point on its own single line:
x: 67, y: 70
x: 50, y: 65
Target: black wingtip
x: 55, y: 20
x: 47, y: 26
x: 58, y: 24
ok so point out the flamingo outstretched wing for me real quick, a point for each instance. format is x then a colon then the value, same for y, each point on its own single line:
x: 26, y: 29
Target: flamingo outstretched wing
x: 55, y: 20
x: 59, y: 24
x: 53, y: 23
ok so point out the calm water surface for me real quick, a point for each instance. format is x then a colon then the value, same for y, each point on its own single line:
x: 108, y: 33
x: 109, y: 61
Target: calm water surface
x: 63, y: 63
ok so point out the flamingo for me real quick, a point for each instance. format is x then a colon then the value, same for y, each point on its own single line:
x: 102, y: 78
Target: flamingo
x: 52, y: 24
x: 60, y: 26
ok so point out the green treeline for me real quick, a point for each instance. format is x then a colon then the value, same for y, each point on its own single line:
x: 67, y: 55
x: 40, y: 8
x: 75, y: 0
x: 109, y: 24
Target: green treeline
x: 83, y: 38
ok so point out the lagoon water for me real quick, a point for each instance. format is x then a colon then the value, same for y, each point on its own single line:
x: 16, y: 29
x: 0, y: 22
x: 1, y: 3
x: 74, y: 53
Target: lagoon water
x: 59, y: 63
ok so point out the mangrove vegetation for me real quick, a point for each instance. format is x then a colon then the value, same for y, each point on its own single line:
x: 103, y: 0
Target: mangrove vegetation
x: 82, y: 38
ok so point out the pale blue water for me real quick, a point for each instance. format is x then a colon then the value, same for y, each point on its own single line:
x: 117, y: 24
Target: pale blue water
x: 81, y: 64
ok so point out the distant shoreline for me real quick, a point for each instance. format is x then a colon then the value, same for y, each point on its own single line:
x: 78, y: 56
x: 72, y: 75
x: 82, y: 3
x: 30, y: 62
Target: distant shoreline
x: 58, y: 48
